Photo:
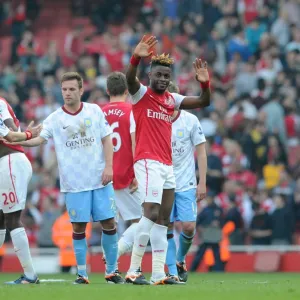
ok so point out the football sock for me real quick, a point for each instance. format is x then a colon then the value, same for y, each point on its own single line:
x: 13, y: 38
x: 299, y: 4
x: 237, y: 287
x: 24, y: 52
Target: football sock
x: 126, y: 241
x: 171, y: 254
x: 140, y: 243
x: 21, y: 247
x: 185, y: 243
x: 109, y: 242
x: 159, y: 244
x: 2, y: 237
x: 80, y: 249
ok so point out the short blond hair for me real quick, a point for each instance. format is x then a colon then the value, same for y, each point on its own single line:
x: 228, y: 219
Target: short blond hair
x: 162, y: 60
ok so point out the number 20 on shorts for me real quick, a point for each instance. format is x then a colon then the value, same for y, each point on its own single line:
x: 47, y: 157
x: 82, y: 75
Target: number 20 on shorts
x: 9, y: 198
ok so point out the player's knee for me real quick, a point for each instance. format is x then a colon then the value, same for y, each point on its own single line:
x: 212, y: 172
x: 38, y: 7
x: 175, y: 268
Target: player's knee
x: 188, y: 228
x: 12, y: 221
x: 79, y: 227
x: 151, y: 211
x: 108, y: 224
x: 11, y: 224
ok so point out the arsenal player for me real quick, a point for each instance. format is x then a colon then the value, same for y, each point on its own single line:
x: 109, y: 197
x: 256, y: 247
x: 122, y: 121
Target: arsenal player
x: 153, y: 107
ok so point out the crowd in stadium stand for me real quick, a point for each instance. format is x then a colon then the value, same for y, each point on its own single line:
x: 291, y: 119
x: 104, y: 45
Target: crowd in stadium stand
x: 252, y: 127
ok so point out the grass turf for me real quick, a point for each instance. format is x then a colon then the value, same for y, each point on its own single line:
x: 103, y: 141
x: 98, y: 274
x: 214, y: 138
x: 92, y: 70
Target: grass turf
x: 200, y: 286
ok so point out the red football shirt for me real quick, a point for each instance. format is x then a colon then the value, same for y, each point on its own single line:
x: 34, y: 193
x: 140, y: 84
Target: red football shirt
x: 120, y: 118
x: 153, y: 116
x: 6, y: 112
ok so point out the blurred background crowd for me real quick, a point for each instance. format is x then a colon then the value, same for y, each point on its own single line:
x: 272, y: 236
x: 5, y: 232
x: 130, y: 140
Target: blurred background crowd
x: 252, y: 127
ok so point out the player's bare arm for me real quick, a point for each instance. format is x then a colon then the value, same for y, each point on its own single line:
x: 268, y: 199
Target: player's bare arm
x: 202, y: 167
x: 17, y: 137
x: 108, y: 150
x: 202, y: 77
x: 11, y: 125
x: 134, y: 184
x: 37, y: 141
x: 143, y: 49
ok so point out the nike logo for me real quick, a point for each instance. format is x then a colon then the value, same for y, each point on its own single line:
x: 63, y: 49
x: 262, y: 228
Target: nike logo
x: 10, y: 207
x: 65, y: 127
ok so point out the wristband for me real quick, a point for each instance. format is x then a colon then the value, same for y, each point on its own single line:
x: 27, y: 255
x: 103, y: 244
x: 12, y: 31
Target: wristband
x: 205, y: 85
x: 135, y: 60
x: 28, y: 135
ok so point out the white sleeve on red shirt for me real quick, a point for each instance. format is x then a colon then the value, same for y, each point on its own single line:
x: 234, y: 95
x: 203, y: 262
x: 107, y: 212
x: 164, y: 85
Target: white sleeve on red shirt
x: 132, y: 123
x: 178, y: 99
x: 4, y: 113
x: 3, y: 129
x: 139, y: 94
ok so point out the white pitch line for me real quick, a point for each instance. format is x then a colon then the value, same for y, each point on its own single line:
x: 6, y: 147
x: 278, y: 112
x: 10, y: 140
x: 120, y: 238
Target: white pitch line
x: 54, y: 280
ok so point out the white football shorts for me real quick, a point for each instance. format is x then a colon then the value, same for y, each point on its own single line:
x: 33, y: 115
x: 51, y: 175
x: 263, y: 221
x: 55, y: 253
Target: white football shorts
x: 128, y: 205
x: 153, y: 177
x: 15, y: 174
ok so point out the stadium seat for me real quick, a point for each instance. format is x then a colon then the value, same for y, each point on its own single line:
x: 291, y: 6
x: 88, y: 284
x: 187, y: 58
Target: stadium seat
x: 267, y: 261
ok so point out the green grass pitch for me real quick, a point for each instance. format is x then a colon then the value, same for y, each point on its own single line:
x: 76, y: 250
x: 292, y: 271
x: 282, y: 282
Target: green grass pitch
x: 200, y: 286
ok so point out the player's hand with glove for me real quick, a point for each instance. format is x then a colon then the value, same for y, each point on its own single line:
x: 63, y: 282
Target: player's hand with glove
x: 201, y: 192
x: 107, y: 175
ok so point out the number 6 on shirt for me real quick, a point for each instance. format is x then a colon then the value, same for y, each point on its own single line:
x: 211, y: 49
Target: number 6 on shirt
x: 116, y: 136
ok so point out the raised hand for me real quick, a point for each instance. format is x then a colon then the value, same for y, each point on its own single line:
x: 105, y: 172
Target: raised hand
x: 144, y: 47
x: 34, y: 130
x: 201, y: 70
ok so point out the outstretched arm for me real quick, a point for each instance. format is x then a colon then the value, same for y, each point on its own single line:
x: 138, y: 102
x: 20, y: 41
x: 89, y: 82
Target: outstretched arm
x: 202, y: 76
x: 143, y: 49
x: 16, y: 137
x: 132, y: 81
x: 30, y: 143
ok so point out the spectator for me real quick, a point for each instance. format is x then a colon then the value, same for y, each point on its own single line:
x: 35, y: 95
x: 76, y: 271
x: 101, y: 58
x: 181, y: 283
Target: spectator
x: 29, y: 50
x: 239, y: 45
x: 73, y: 46
x: 261, y: 226
x: 275, y: 117
x: 282, y: 222
x: 209, y: 223
x: 233, y: 215
x: 48, y: 217
x: 50, y: 62
x: 214, y: 170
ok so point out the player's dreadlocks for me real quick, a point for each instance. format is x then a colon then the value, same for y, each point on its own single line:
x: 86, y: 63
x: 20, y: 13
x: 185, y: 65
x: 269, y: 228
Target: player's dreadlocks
x: 162, y: 60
